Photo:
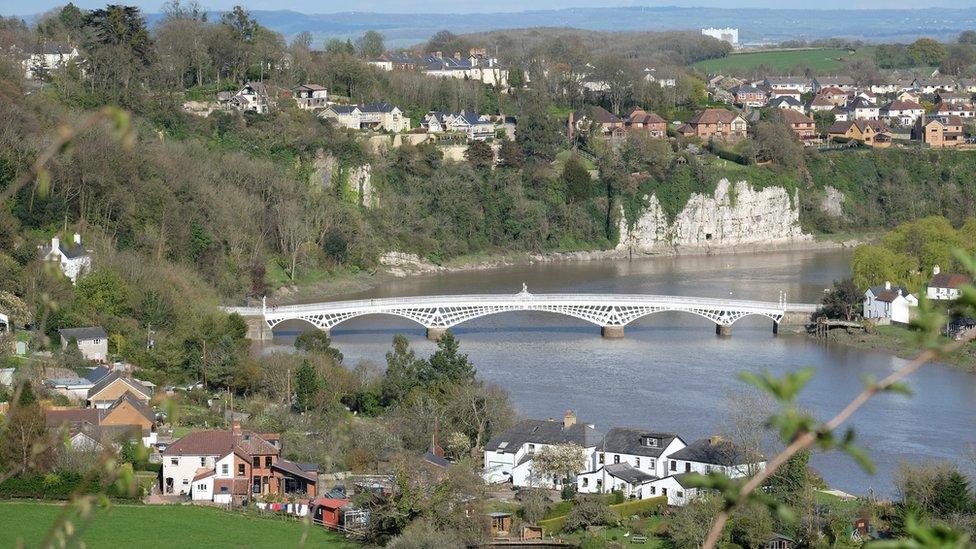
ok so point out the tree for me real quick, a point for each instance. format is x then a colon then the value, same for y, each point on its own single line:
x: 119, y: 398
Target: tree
x: 926, y: 52
x: 510, y: 154
x: 791, y: 479
x: 457, y: 445
x: 690, y: 524
x: 577, y: 179
x: 776, y: 141
x: 560, y: 461
x: 447, y: 43
x: 619, y: 76
x: 967, y: 37
x: 370, y: 45
x: 318, y: 342
x: 447, y: 364
x: 480, y: 154
x: 843, y: 301
x: 876, y: 265
x: 24, y: 438
x: 751, y: 526
x: 404, y: 371
x: 539, y: 135
x: 307, y: 386
x: 590, y: 511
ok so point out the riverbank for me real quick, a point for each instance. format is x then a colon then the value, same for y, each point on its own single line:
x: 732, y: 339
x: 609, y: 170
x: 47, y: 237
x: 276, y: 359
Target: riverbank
x: 900, y: 342
x: 397, y: 265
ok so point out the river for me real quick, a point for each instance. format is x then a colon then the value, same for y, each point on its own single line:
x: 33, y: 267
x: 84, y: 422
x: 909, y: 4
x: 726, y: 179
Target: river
x: 671, y: 372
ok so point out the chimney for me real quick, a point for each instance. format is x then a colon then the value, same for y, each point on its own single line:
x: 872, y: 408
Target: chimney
x: 235, y: 427
x: 438, y: 54
x: 715, y: 439
x: 936, y: 270
x: 887, y: 285
x: 55, y: 243
x: 569, y: 419
x: 457, y: 55
x: 77, y: 239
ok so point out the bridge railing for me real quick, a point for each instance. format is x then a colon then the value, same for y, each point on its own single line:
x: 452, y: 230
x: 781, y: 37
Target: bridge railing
x: 512, y: 299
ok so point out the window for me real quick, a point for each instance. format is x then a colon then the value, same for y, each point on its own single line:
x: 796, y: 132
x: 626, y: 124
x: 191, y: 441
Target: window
x: 653, y: 490
x: 240, y: 469
x: 224, y: 469
x: 186, y: 481
x: 664, y: 491
x: 257, y: 461
x: 223, y: 489
x: 652, y: 463
x: 680, y: 494
x: 602, y: 458
x: 531, y: 448
x: 174, y: 461
x: 202, y: 487
x: 637, y: 462
x: 586, y: 482
x: 687, y: 467
x: 267, y: 461
x: 674, y: 465
x: 616, y: 458
x: 203, y: 462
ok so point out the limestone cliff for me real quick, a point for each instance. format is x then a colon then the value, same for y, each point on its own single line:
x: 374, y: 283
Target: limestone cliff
x: 735, y: 215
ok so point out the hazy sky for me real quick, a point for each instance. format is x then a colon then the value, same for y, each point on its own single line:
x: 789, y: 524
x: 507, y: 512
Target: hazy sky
x: 29, y: 7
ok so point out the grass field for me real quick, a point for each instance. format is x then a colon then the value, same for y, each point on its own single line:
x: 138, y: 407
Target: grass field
x: 166, y: 526
x: 822, y: 60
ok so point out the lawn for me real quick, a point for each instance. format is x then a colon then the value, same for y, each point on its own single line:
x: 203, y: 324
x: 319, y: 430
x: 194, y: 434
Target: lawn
x: 822, y: 60
x: 158, y: 526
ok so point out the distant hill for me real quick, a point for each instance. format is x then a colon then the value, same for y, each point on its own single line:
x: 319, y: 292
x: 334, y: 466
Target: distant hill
x: 756, y: 25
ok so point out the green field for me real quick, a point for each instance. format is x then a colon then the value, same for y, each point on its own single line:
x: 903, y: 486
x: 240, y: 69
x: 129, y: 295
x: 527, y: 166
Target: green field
x: 822, y: 60
x: 162, y: 526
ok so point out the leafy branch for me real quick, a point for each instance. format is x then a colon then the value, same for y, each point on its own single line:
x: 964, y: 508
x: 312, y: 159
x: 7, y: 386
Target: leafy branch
x: 802, y: 432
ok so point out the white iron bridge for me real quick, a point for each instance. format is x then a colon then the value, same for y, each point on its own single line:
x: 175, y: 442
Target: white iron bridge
x: 611, y: 312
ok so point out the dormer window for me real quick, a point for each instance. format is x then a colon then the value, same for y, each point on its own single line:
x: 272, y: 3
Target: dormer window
x: 502, y: 445
x: 531, y: 448
x: 650, y: 442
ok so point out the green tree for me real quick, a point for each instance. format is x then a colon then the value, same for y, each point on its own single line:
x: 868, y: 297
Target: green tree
x: 874, y: 265
x: 926, y: 52
x: 967, y: 37
x: 510, y: 154
x: 539, y: 135
x: 791, y: 479
x: 370, y: 45
x: 447, y: 364
x: 318, y: 342
x: 307, y: 385
x: 589, y: 511
x: 24, y: 438
x: 404, y: 371
x: 102, y: 292
x: 843, y: 301
x: 576, y: 178
x: 480, y: 155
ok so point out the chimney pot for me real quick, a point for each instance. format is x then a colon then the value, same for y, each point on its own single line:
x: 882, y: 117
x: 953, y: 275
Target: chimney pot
x: 887, y: 285
x: 77, y: 238
x: 569, y: 419
x: 236, y: 426
x: 936, y: 270
x: 55, y: 243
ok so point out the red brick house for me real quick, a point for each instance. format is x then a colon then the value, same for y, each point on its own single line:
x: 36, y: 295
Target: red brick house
x: 718, y: 124
x: 802, y: 125
x: 647, y: 122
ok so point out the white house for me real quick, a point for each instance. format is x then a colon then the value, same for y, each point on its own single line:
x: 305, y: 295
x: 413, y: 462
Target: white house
x: 510, y: 455
x: 92, y: 341
x: 845, y: 83
x: 801, y: 84
x: 5, y: 326
x: 715, y: 454
x: 901, y: 113
x: 787, y: 102
x: 616, y: 477
x: 374, y: 116
x: 862, y: 109
x: 310, y: 96
x: 645, y: 450
x: 253, y: 97
x: 74, y: 260
x: 475, y: 126
x: 887, y: 303
x: 676, y: 488
x: 929, y: 86
x: 50, y: 57
x: 962, y: 110
x: 945, y: 286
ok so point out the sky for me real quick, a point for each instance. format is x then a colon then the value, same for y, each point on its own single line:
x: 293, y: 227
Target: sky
x: 31, y: 7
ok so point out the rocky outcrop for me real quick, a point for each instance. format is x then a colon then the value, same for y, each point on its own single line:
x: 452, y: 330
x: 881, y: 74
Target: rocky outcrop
x: 361, y: 182
x: 833, y: 202
x: 326, y: 171
x: 737, y: 214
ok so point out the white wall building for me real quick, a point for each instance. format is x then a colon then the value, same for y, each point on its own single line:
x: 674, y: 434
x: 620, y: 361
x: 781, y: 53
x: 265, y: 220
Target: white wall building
x: 946, y: 286
x: 50, y: 58
x: 509, y: 456
x: 888, y: 303
x: 74, y: 260
x: 92, y: 341
x: 727, y: 34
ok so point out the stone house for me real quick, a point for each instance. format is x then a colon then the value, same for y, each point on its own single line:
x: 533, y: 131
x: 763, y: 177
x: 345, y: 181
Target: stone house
x: 749, y: 96
x: 310, y: 96
x: 939, y: 132
x: 92, y: 341
x: 373, y: 116
x: 870, y: 132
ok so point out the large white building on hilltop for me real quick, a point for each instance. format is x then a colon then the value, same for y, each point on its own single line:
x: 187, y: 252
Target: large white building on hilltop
x: 727, y: 34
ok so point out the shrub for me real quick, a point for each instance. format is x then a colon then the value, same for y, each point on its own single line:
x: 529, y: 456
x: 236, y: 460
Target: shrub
x: 590, y: 511
x: 641, y: 507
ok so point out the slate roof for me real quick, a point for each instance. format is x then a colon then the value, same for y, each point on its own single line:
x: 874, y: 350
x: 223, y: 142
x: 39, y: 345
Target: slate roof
x: 541, y: 431
x: 624, y: 440
x: 786, y: 100
x: 898, y: 105
x: 640, y: 116
x: 628, y: 473
x: 821, y: 101
x: 835, y: 81
x: 788, y: 80
x: 861, y: 103
x: 713, y: 451
x: 795, y: 117
x: 109, y: 379
x: 889, y: 293
x: 377, y: 107
x: 949, y: 280
x: 436, y: 460
x: 97, y: 373
x: 599, y: 115
x: 682, y: 479
x: 89, y: 332
x: 304, y: 470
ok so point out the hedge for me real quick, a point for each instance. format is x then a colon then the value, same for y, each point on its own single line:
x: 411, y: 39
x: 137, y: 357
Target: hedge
x: 52, y: 486
x: 553, y: 525
x: 641, y: 506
